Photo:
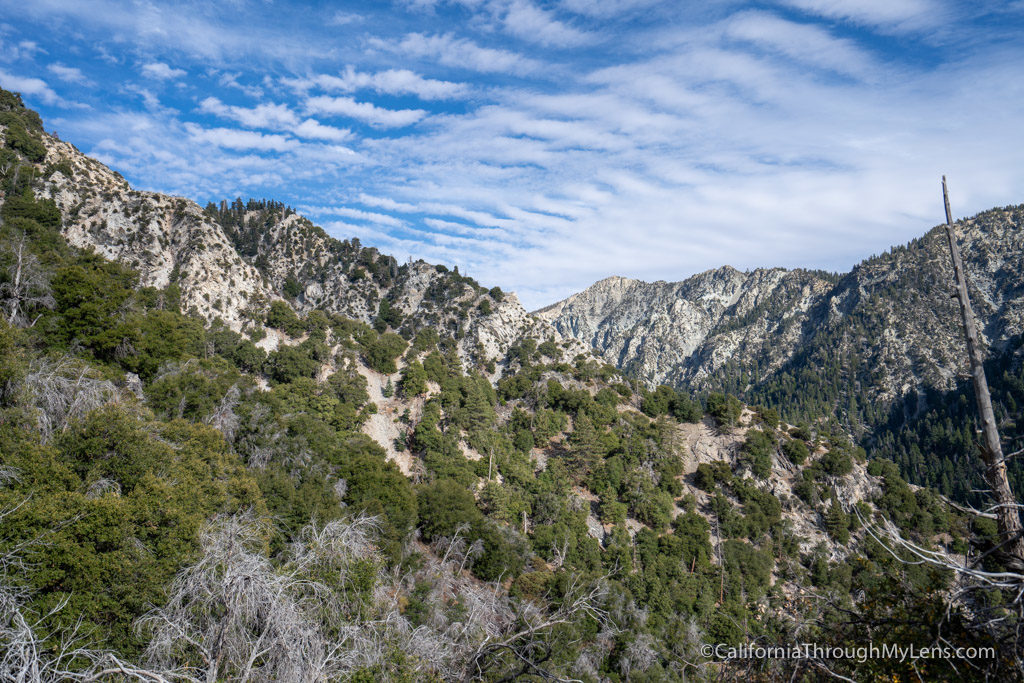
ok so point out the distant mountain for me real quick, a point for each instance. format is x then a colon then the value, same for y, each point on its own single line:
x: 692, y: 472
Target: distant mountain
x: 880, y: 348
x: 886, y: 329
x: 220, y: 413
x: 683, y: 333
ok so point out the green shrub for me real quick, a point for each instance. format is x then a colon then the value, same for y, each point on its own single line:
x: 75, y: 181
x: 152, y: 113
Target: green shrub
x: 756, y: 453
x: 121, y: 502
x: 18, y: 138
x: 376, y: 486
x: 709, y: 475
x: 292, y: 287
x: 381, y: 352
x: 444, y: 507
x: 191, y: 390
x: 837, y: 462
x: 280, y: 316
x: 725, y: 409
x: 414, y: 379
x: 42, y: 211
x: 796, y: 450
x: 837, y: 523
x: 388, y: 315
x: 289, y: 363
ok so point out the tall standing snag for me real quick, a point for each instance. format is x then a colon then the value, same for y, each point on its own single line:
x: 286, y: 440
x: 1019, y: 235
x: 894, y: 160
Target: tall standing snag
x: 1011, y: 534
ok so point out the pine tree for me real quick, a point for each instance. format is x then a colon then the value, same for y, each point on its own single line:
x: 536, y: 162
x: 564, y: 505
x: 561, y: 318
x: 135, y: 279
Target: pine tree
x: 837, y: 523
x: 584, y: 448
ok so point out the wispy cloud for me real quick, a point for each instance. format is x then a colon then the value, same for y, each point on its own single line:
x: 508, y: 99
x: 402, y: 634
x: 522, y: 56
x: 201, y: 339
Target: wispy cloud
x: 161, y: 71
x: 387, y: 203
x: 363, y: 111
x: 261, y: 116
x: 192, y: 28
x: 340, y: 18
x: 527, y: 21
x: 357, y: 214
x: 35, y: 87
x: 233, y: 138
x: 607, y: 8
x: 68, y: 74
x: 463, y: 53
x: 884, y: 13
x: 389, y: 81
x: 230, y: 80
x: 314, y: 130
x: 807, y: 43
x: 275, y: 116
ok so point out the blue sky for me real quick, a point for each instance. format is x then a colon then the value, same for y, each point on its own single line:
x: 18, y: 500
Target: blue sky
x: 541, y: 146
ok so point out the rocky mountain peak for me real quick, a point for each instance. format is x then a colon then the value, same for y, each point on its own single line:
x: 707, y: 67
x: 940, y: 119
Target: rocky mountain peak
x: 230, y: 262
x: 889, y: 321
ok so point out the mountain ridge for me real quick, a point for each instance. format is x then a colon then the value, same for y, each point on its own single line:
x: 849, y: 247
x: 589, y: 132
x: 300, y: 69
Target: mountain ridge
x: 773, y: 315
x: 437, y: 496
x: 232, y: 269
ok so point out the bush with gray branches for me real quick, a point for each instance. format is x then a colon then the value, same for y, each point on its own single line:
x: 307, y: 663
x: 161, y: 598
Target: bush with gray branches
x: 331, y: 608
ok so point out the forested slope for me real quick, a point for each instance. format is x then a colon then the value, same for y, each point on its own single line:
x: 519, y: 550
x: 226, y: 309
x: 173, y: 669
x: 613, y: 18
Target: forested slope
x: 289, y: 492
x: 879, y: 348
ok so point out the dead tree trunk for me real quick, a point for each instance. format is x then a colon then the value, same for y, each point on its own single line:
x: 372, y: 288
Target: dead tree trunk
x: 1011, y: 535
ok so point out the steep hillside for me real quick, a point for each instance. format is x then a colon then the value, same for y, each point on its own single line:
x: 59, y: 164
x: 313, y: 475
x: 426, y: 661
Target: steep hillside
x: 880, y: 348
x: 213, y: 466
x: 230, y: 262
x: 889, y: 326
x: 684, y: 333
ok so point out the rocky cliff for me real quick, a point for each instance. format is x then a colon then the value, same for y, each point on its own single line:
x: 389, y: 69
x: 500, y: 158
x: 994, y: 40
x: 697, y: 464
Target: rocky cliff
x: 683, y: 332
x: 879, y: 332
x: 230, y: 262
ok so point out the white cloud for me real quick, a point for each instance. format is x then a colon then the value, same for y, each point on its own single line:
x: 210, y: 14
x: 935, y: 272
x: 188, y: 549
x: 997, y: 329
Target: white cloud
x: 461, y: 53
x: 387, y: 203
x: 233, y: 138
x: 30, y: 48
x: 230, y: 80
x: 10, y: 52
x: 149, y: 99
x: 804, y: 42
x: 528, y: 22
x: 340, y: 18
x: 29, y: 87
x: 275, y: 117
x: 363, y: 111
x: 161, y: 72
x: 390, y: 81
x: 606, y: 8
x: 204, y: 31
x: 313, y: 129
x: 358, y: 214
x: 265, y: 115
x: 69, y: 74
x: 881, y: 13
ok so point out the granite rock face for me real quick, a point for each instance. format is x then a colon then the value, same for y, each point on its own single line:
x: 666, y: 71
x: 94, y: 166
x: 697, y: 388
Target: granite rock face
x: 229, y: 264
x: 886, y: 328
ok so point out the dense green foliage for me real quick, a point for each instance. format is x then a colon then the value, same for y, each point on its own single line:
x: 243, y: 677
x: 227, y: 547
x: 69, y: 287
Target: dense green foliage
x: 126, y: 426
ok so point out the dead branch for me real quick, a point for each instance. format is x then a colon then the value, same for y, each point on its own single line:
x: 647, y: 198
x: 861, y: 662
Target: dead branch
x: 27, y: 285
x: 62, y: 391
